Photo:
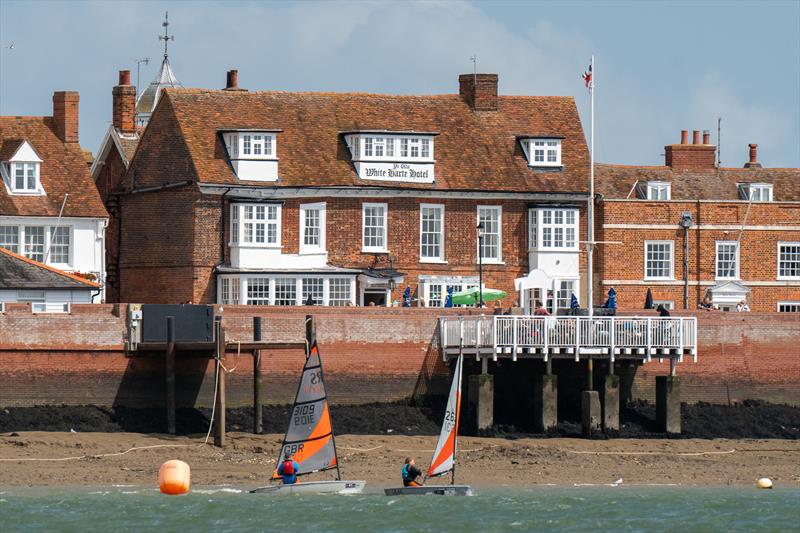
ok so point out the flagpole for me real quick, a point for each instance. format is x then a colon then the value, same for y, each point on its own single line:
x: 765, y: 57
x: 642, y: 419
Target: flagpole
x: 590, y: 207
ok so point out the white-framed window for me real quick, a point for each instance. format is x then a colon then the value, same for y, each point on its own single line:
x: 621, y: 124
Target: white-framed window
x: 230, y: 291
x: 9, y: 238
x: 759, y: 192
x: 258, y: 291
x: 532, y: 229
x: 566, y: 288
x: 24, y: 177
x: 385, y: 148
x: 658, y: 190
x: 285, y: 291
x: 727, y: 260
x: 374, y: 227
x: 558, y: 229
x: 788, y: 260
x: 659, y: 259
x: 50, y: 307
x: 34, y: 242
x: 250, y: 145
x: 490, y: 245
x: 668, y: 304
x: 543, y: 152
x: 256, y: 224
x: 789, y: 307
x: 59, y: 244
x: 312, y: 228
x: 313, y: 289
x: 339, y: 292
x: 431, y: 233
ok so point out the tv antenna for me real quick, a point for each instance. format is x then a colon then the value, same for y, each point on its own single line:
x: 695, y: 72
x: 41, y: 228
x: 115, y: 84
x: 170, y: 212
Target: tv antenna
x: 146, y: 61
x: 474, y: 59
x: 166, y: 37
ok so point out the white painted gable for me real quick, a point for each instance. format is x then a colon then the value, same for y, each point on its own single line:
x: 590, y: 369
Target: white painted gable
x: 25, y: 153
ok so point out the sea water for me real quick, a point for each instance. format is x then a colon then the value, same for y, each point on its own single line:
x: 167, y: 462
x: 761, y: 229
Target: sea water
x: 583, y: 509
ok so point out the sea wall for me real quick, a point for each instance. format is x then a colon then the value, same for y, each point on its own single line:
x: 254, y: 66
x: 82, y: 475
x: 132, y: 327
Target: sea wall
x: 370, y: 355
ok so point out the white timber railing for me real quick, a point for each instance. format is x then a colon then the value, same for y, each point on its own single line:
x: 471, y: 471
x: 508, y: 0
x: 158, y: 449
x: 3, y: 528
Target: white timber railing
x: 514, y: 334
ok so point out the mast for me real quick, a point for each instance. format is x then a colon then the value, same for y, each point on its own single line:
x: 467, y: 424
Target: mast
x: 590, y: 208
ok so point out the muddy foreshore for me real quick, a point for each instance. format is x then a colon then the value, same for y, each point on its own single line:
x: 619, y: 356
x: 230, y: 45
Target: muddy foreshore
x: 746, y: 420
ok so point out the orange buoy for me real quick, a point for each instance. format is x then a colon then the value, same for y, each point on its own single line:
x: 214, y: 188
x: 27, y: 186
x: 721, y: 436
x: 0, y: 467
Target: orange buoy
x: 174, y: 477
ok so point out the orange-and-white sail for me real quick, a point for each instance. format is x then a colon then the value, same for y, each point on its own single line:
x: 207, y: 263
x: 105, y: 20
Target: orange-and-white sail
x: 310, y: 435
x: 445, y: 454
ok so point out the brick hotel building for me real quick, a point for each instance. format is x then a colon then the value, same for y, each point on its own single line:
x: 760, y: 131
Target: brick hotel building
x: 277, y: 198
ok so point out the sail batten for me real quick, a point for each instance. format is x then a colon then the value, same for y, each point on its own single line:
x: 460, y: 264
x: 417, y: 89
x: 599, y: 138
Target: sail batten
x: 443, y: 459
x: 309, y: 437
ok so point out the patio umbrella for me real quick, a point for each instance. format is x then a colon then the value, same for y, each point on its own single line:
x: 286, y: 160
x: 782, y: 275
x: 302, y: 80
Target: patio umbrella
x: 472, y: 296
x: 612, y: 299
x: 407, y: 297
x: 573, y: 304
x: 648, y: 300
x: 448, y: 300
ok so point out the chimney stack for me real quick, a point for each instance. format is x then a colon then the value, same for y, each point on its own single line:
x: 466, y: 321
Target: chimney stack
x: 124, y: 104
x: 65, y: 115
x: 479, y: 91
x: 695, y: 156
x: 232, y: 81
x: 753, y: 163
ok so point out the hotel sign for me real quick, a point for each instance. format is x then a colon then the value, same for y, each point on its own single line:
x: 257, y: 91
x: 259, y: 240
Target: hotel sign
x: 407, y: 172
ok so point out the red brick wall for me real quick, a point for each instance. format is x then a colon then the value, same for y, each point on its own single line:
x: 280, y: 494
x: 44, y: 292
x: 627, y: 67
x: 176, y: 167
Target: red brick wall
x: 758, y: 249
x: 370, y: 355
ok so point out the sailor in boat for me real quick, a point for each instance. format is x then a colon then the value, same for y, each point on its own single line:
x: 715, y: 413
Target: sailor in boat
x: 411, y: 473
x: 288, y: 470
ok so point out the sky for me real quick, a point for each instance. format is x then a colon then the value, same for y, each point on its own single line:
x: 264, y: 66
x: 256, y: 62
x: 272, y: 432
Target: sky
x: 659, y: 66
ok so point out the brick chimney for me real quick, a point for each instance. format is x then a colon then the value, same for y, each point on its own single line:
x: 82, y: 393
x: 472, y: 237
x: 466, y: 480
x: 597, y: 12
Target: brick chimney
x: 65, y: 115
x: 695, y: 156
x: 479, y: 91
x: 232, y: 81
x: 124, y: 103
x: 753, y: 163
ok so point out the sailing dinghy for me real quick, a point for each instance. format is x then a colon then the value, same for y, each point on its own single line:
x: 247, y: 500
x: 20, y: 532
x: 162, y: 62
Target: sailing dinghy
x: 444, y: 457
x: 310, y: 436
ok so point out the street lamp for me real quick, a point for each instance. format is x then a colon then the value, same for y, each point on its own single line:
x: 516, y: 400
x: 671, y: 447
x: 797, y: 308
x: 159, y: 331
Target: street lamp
x: 480, y: 264
x: 686, y: 223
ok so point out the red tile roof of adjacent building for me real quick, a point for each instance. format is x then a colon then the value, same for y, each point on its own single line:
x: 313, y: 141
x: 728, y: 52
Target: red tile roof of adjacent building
x: 618, y: 181
x: 474, y: 150
x: 20, y: 272
x: 63, y: 170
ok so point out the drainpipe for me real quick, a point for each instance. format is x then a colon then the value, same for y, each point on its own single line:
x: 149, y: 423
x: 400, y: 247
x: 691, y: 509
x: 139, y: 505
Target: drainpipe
x: 686, y: 223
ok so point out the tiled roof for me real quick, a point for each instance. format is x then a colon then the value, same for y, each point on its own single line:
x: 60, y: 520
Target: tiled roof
x: 18, y: 272
x: 9, y: 147
x: 64, y: 170
x: 617, y: 181
x: 128, y: 145
x: 473, y: 150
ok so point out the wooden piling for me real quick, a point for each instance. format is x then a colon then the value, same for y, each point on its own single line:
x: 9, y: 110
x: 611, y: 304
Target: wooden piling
x: 219, y: 434
x: 170, y: 372
x: 258, y: 385
x: 311, y: 333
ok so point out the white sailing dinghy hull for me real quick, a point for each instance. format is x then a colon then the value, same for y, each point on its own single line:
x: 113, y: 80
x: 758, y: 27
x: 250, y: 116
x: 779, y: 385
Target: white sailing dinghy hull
x: 431, y: 490
x: 314, y: 487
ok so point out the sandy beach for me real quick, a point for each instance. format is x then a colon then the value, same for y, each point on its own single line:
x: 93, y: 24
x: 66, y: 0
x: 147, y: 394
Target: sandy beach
x: 79, y: 459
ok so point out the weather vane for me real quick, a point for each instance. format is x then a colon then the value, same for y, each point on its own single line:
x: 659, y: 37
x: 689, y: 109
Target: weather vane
x: 166, y: 37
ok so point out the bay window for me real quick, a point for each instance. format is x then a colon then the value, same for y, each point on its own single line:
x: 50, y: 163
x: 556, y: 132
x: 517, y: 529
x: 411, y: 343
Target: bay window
x: 285, y: 289
x: 255, y: 224
x: 553, y: 229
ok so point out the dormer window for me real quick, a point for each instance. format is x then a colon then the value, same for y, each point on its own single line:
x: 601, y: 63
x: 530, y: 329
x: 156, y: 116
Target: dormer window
x: 542, y: 152
x: 392, y: 156
x: 756, y: 192
x: 252, y: 154
x: 658, y: 190
x: 21, y: 173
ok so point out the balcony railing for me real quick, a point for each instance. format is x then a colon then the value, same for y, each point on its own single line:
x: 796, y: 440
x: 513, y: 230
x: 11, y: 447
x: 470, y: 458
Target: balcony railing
x: 636, y: 337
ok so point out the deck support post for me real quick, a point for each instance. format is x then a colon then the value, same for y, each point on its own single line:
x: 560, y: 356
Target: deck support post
x: 170, y: 371
x: 545, y: 402
x: 258, y: 385
x: 219, y: 419
x: 481, y: 400
x: 590, y: 412
x: 668, y: 404
x: 611, y: 403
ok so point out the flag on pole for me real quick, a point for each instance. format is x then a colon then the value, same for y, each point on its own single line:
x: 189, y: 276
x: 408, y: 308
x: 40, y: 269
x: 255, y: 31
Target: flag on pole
x: 587, y: 77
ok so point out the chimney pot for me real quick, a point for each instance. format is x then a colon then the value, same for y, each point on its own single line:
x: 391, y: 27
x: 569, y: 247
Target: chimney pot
x: 123, y: 107
x: 684, y: 137
x: 479, y: 91
x: 753, y: 163
x: 124, y: 77
x: 232, y: 80
x: 706, y: 137
x: 65, y: 115
x: 696, y: 137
